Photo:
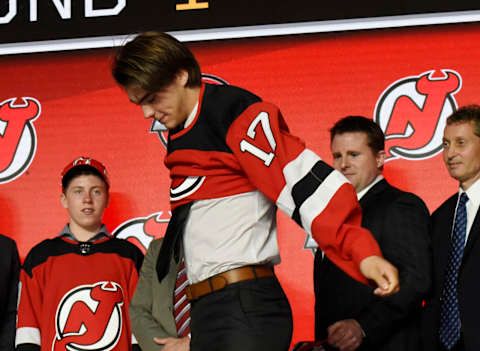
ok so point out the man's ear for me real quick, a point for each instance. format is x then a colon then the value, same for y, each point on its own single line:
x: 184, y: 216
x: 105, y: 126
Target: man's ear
x: 380, y: 158
x: 182, y: 77
x: 63, y: 200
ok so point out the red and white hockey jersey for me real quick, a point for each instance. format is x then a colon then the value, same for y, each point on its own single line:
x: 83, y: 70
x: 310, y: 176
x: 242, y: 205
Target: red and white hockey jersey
x: 75, y: 296
x: 237, y: 143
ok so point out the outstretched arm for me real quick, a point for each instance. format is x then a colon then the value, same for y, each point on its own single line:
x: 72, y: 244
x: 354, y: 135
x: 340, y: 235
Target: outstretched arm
x: 312, y: 193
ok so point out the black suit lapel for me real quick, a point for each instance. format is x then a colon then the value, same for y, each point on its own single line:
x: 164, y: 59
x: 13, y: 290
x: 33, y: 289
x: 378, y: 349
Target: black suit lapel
x: 472, y: 237
x: 445, y: 231
x: 372, y: 194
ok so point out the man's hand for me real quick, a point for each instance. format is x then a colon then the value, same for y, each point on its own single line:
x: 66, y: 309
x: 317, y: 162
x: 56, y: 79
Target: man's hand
x: 174, y: 344
x: 345, y: 335
x: 383, y: 273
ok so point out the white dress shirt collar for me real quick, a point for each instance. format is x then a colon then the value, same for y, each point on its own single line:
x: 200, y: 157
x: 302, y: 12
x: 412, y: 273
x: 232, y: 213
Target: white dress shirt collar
x: 473, y: 193
x: 362, y: 192
x: 473, y: 203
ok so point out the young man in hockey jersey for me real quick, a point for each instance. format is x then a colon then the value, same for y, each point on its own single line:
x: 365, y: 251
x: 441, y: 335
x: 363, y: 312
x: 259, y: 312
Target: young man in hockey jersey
x: 76, y: 287
x: 232, y: 162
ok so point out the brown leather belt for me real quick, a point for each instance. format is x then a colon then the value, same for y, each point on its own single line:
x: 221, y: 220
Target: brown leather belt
x: 221, y: 280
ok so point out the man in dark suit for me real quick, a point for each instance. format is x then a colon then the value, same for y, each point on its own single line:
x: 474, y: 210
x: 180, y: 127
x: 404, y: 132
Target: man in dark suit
x: 452, y: 312
x: 9, y: 275
x: 347, y: 314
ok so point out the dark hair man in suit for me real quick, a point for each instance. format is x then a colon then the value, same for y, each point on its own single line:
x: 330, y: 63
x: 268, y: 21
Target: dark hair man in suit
x: 452, y: 312
x: 347, y: 313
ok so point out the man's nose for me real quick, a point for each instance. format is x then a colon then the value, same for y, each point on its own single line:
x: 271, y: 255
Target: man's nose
x: 344, y: 163
x: 148, y: 111
x: 450, y: 151
x: 87, y: 197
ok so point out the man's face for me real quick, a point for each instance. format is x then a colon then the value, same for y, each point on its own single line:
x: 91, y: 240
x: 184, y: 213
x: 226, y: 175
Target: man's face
x: 167, y: 105
x: 85, y: 198
x: 461, y: 152
x: 355, y: 159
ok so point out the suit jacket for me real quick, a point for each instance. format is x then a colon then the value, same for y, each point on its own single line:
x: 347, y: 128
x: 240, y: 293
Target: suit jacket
x: 151, y: 308
x: 399, y: 221
x: 9, y: 275
x: 468, y: 278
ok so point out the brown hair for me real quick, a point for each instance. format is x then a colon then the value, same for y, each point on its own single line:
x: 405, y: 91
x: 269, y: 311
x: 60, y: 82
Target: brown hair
x: 152, y: 60
x: 469, y: 113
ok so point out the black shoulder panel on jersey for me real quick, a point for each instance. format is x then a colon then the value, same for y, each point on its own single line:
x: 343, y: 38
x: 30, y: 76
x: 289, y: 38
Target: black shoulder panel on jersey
x: 123, y: 248
x: 42, y: 251
x: 27, y: 347
x: 224, y: 103
x: 6, y: 241
x: 58, y: 247
x: 221, y: 105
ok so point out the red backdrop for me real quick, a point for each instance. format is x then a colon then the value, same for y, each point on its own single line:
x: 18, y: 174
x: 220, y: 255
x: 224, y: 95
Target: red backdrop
x: 315, y: 79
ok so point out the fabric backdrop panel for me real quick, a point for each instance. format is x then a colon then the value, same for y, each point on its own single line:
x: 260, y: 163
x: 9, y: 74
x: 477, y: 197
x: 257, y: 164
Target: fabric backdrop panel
x: 57, y: 106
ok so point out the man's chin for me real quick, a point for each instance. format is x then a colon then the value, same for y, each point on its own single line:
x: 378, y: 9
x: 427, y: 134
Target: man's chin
x: 455, y: 174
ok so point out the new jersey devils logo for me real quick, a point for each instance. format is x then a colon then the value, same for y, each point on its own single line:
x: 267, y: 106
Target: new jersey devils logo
x: 18, y: 139
x: 161, y: 130
x: 89, y: 317
x: 141, y: 231
x: 412, y: 113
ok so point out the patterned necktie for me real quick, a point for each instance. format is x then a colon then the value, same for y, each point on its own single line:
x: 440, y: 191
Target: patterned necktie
x: 181, y: 310
x: 450, y: 315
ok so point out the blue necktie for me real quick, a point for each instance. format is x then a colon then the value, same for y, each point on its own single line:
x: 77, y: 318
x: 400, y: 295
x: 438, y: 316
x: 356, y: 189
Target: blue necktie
x: 450, y: 315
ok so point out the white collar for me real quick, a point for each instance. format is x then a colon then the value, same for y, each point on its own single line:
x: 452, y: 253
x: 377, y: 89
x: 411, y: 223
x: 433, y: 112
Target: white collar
x: 473, y: 192
x: 191, y: 116
x: 362, y: 192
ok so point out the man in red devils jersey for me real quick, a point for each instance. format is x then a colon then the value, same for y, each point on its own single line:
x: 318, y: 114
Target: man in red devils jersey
x: 232, y: 162
x: 75, y: 288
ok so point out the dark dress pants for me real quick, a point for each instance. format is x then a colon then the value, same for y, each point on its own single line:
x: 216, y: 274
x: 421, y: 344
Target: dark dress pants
x: 253, y: 315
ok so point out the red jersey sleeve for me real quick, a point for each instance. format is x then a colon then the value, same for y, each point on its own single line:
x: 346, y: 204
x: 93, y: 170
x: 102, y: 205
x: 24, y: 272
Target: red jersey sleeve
x: 30, y: 302
x: 319, y: 198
